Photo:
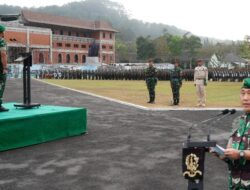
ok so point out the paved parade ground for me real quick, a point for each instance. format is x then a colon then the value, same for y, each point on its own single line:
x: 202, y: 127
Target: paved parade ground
x: 126, y: 148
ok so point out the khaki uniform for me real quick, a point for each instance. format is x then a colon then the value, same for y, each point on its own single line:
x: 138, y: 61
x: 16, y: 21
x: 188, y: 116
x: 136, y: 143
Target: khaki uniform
x: 200, y: 80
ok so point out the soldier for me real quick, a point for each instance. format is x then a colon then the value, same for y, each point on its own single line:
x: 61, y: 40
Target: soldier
x: 237, y: 153
x: 3, y: 66
x: 200, y: 81
x: 151, y: 80
x: 176, y: 81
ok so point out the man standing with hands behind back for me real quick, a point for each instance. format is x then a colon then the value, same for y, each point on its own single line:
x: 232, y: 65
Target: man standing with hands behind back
x: 200, y: 81
x: 3, y: 66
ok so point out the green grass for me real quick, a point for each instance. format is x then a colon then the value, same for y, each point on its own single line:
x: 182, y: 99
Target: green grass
x: 219, y: 94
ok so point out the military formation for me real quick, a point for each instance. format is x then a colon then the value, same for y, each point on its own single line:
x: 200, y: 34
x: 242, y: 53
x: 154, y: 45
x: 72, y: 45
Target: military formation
x: 112, y: 73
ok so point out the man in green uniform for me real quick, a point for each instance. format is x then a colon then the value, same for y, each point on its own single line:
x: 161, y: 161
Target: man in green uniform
x: 237, y: 154
x: 3, y: 66
x: 151, y: 81
x: 176, y: 81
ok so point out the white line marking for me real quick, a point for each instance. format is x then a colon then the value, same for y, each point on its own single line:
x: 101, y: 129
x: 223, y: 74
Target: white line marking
x: 170, y: 108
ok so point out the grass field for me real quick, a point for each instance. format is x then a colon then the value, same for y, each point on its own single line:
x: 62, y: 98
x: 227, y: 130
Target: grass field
x: 219, y: 94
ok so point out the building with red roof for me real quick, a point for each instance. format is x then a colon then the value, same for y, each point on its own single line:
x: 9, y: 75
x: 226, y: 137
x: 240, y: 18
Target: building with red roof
x: 57, y: 39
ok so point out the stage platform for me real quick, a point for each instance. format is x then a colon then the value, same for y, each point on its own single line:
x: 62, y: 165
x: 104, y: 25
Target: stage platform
x: 24, y: 127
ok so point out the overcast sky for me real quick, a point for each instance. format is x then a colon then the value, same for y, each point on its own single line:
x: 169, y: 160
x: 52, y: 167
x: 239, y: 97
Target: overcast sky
x: 223, y: 19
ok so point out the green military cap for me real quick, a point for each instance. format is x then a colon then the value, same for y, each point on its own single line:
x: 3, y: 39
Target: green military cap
x: 246, y: 83
x: 2, y: 28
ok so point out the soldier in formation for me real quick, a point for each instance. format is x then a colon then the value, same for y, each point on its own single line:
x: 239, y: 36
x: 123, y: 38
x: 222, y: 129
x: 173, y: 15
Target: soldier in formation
x: 151, y: 81
x: 3, y: 66
x: 176, y: 81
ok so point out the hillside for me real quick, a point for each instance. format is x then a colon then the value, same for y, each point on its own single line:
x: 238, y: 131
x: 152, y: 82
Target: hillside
x: 129, y: 29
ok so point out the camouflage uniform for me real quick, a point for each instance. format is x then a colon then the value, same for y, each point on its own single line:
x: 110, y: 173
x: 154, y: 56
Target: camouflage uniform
x: 3, y: 75
x: 239, y: 170
x: 151, y: 82
x: 176, y: 83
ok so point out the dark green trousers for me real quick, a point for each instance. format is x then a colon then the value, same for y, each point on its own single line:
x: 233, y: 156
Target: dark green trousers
x: 175, y: 86
x: 2, y: 86
x: 151, y: 89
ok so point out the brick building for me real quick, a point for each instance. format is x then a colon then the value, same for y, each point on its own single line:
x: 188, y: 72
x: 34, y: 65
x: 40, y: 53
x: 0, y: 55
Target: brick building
x: 57, y: 39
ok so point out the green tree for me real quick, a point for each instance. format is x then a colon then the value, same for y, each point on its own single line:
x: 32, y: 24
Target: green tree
x: 145, y: 48
x: 175, y: 45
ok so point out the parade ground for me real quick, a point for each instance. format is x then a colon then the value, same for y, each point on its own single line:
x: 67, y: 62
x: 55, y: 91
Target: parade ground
x: 126, y: 148
x: 219, y: 94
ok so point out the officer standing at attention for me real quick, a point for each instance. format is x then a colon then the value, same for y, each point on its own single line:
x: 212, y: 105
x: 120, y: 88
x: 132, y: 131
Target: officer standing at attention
x: 176, y: 81
x: 200, y: 81
x: 3, y: 66
x: 151, y: 80
x: 237, y: 153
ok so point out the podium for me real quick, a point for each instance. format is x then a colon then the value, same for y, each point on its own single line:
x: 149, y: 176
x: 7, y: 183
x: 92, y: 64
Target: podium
x: 26, y: 58
x: 193, y: 159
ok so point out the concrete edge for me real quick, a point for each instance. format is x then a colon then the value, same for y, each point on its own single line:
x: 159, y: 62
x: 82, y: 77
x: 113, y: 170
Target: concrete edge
x: 170, y: 108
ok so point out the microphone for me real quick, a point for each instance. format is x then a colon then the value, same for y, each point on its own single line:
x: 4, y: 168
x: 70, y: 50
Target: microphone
x: 232, y: 111
x: 221, y: 115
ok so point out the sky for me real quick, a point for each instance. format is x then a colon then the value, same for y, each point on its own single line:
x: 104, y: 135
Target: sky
x: 221, y: 19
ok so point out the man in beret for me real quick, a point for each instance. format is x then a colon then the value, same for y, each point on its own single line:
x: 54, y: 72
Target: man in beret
x: 200, y: 81
x: 237, y: 153
x: 3, y: 66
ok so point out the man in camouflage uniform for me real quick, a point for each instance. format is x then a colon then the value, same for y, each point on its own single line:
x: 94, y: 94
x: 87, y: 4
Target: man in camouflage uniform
x: 176, y: 81
x: 3, y: 66
x: 237, y: 153
x: 151, y: 81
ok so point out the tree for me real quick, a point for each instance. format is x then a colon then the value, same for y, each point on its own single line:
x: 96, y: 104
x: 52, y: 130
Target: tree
x: 161, y: 48
x: 175, y: 46
x: 145, y: 48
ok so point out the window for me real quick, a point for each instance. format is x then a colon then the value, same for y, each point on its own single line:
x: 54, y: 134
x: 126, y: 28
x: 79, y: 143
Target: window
x: 110, y: 36
x: 103, y: 35
x: 69, y: 33
x: 59, y: 58
x: 103, y: 58
x: 77, y: 34
x: 41, y: 58
x: 111, y: 58
x: 111, y: 47
x: 68, y: 58
x: 68, y: 45
x: 76, y: 45
x: 59, y: 44
x: 103, y: 47
x: 84, y: 46
x: 76, y: 58
x: 61, y: 32
x: 83, y: 58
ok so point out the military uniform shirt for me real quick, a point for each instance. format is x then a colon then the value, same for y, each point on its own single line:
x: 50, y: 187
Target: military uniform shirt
x: 200, y: 73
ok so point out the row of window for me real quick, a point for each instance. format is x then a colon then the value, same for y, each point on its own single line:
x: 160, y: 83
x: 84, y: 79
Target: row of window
x: 76, y: 58
x: 86, y: 35
x: 68, y: 45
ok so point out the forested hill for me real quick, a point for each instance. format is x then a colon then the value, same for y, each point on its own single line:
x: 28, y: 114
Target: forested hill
x: 129, y: 29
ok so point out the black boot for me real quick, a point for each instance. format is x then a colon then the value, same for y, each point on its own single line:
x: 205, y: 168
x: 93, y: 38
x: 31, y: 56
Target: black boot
x: 2, y: 109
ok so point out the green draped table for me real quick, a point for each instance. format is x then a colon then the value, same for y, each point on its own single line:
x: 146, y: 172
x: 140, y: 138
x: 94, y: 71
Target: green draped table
x: 24, y: 127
